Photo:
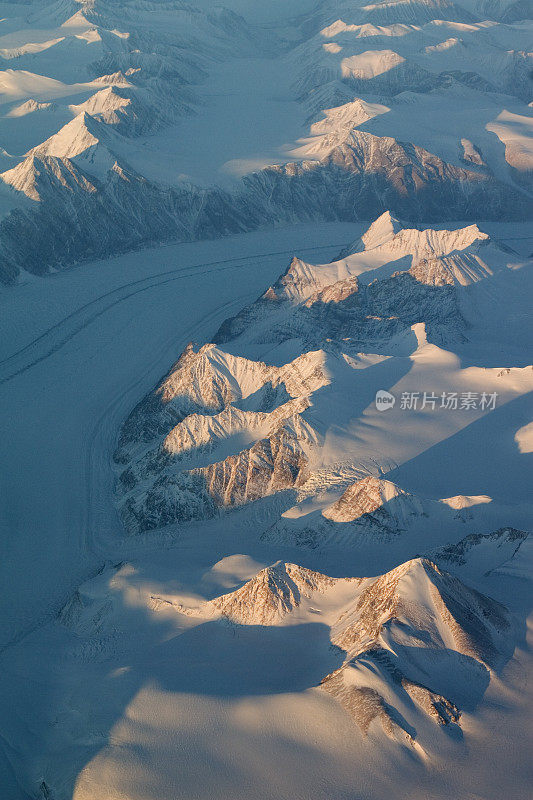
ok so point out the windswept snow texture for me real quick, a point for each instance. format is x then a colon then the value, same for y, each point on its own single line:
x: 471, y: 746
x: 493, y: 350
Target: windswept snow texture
x: 266, y: 513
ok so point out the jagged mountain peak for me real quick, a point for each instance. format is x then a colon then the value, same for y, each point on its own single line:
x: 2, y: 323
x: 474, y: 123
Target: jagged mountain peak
x: 299, y: 282
x: 77, y: 136
x: 234, y: 422
x: 213, y: 378
x: 382, y: 230
x: 437, y: 257
x: 271, y: 594
x: 347, y: 116
x: 206, y: 380
x: 130, y: 110
x: 84, y: 140
x: 117, y: 78
x: 416, y: 639
x: 382, y: 287
x: 335, y: 128
x: 38, y: 175
x: 30, y: 106
x: 104, y: 100
x: 481, y: 553
x: 386, y: 240
x: 387, y: 230
x: 68, y: 13
x: 416, y: 591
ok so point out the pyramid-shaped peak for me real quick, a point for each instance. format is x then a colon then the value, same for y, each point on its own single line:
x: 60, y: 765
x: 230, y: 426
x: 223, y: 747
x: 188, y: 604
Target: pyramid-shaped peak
x: 382, y: 230
x: 273, y: 592
x: 105, y: 103
x: 415, y: 620
x: 73, y: 139
x: 37, y: 172
x: 419, y: 590
x: 84, y: 140
x: 423, y: 569
x: 117, y: 78
x: 108, y: 90
x: 212, y: 378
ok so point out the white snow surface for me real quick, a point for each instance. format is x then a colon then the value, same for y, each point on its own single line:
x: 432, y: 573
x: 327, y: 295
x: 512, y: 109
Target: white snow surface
x: 362, y: 627
x: 131, y: 631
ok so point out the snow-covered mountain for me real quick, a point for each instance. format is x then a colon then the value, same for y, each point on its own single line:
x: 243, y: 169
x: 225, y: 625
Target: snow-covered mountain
x: 224, y: 430
x: 270, y: 595
x: 418, y: 643
x: 369, y: 507
x: 390, y: 279
x: 107, y: 88
x: 299, y: 565
x: 417, y: 646
x: 219, y: 431
x: 107, y: 71
x: 481, y: 553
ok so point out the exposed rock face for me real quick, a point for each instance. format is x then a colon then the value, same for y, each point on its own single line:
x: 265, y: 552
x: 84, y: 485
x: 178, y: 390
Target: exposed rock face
x: 417, y: 643
x: 83, y: 216
x: 482, y: 552
x: 273, y: 593
x: 144, y: 72
x: 269, y: 466
x: 205, y: 382
x: 373, y: 510
x: 66, y: 214
x: 403, y: 624
x: 223, y: 427
x: 477, y: 624
x: 366, y: 501
x: 234, y: 430
x: 365, y: 314
x: 153, y: 493
x: 202, y: 432
x: 365, y: 704
x: 337, y: 300
x: 369, y: 174
x: 432, y: 272
x: 168, y: 499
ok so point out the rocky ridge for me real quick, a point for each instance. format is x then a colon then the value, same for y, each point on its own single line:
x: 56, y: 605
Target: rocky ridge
x: 223, y: 430
x: 417, y: 273
x: 402, y: 622
x: 416, y: 644
x: 210, y: 404
x: 136, y: 68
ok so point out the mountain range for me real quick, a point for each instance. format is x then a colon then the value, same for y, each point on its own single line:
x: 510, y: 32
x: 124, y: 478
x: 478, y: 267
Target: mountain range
x: 266, y: 373
x: 101, y: 75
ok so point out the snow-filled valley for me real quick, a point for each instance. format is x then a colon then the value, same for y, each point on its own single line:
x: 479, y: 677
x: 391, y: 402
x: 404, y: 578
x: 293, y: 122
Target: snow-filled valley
x: 266, y: 385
